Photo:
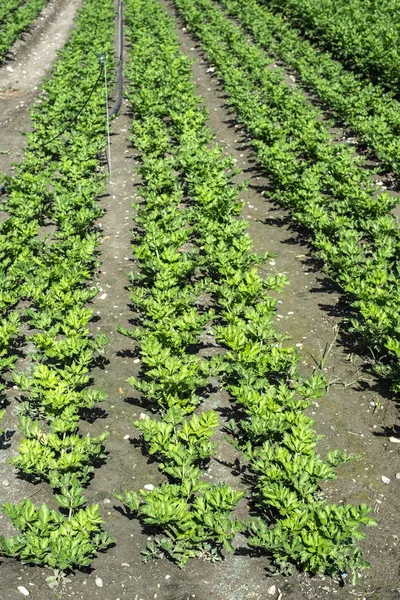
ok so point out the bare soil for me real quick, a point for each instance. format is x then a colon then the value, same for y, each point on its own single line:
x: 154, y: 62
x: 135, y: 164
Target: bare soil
x: 356, y: 415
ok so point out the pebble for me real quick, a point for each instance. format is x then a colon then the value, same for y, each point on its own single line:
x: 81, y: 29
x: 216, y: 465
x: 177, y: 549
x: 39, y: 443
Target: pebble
x: 23, y: 590
x: 125, y: 565
x: 5, y: 482
x: 99, y: 582
x: 272, y: 590
x: 149, y: 486
x: 103, y: 297
x: 394, y: 440
x: 106, y: 501
x: 385, y: 479
x: 397, y: 475
x: 126, y: 437
x: 168, y: 577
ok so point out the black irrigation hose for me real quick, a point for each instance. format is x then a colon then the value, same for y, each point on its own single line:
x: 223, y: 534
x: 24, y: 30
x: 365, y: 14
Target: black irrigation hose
x: 118, y: 103
x: 74, y: 118
x: 69, y: 123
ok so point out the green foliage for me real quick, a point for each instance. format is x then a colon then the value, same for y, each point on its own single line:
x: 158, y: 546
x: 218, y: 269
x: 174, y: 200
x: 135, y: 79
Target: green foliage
x: 193, y: 251
x: 195, y: 525
x: 321, y: 538
x: 42, y: 453
x: 170, y: 380
x: 48, y: 538
x: 57, y: 182
x: 2, y: 413
x: 363, y: 35
x: 15, y: 18
x: 180, y: 444
x: 9, y: 328
x: 364, y: 107
x: 328, y: 190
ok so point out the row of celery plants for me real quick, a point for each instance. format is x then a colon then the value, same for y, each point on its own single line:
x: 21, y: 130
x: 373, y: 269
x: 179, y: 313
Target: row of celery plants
x: 56, y: 184
x: 16, y: 22
x: 35, y: 196
x: 191, y: 516
x: 364, y: 35
x: 327, y: 189
x: 366, y: 109
x: 8, y: 8
x: 191, y: 240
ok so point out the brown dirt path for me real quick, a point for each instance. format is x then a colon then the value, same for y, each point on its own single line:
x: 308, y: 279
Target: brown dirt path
x: 21, y: 75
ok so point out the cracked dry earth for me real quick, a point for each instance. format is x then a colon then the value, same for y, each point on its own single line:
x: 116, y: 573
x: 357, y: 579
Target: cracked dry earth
x: 356, y: 415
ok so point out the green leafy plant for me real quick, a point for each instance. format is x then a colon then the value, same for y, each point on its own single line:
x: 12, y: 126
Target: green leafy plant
x: 327, y: 188
x: 57, y: 182
x: 48, y: 538
x: 195, y: 525
x: 192, y: 251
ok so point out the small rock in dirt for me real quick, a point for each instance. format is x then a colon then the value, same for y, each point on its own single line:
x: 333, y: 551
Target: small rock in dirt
x: 397, y: 475
x: 99, y: 582
x: 126, y: 437
x: 125, y: 565
x: 11, y: 70
x: 385, y: 479
x: 168, y: 577
x: 5, y: 482
x: 103, y: 297
x: 106, y: 500
x: 394, y: 440
x: 272, y: 590
x: 149, y: 486
x: 23, y: 590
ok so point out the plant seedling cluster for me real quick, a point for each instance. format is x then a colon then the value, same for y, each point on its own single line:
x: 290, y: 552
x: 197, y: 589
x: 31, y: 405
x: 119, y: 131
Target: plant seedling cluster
x: 15, y: 17
x: 368, y: 111
x: 191, y: 244
x: 193, y: 516
x: 56, y: 186
x: 328, y: 190
x: 363, y: 35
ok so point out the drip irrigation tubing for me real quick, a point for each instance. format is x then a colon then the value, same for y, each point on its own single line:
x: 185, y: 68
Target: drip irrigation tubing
x: 118, y: 102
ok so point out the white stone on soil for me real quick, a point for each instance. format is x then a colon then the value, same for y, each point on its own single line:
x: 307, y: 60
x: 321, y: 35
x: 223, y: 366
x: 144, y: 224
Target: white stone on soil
x: 23, y: 590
